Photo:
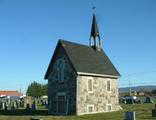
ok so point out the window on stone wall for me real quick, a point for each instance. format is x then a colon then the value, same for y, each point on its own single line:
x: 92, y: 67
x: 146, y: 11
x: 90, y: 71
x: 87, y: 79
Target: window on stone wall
x: 90, y: 108
x: 109, y: 107
x: 90, y: 84
x: 60, y: 69
x: 108, y: 85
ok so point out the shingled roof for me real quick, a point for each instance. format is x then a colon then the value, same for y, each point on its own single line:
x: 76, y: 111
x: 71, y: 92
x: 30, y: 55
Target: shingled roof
x: 85, y: 59
x: 10, y: 93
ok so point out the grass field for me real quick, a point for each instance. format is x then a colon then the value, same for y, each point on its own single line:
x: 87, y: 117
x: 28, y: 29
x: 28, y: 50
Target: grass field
x: 143, y: 112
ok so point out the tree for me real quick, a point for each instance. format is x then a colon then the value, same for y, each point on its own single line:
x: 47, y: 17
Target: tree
x: 45, y: 89
x: 37, y: 90
x: 154, y: 92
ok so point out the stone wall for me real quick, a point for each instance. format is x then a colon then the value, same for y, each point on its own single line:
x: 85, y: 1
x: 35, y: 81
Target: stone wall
x: 100, y: 98
x: 68, y: 87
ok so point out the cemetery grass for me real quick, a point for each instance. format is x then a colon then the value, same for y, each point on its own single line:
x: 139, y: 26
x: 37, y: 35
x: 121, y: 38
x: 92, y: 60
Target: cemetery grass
x: 143, y: 112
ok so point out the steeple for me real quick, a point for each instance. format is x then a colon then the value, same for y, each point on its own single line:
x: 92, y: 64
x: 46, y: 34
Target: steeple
x: 95, y: 34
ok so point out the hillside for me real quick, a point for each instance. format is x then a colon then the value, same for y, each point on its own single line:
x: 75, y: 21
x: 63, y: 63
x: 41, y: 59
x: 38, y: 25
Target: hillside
x: 137, y: 88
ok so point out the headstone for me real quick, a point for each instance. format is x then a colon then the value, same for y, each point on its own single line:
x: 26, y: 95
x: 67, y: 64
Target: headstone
x: 129, y: 101
x: 33, y: 107
x: 3, y: 105
x: 28, y: 106
x: 130, y: 115
x: 46, y: 106
x: 0, y: 105
x: 148, y: 100
x: 35, y: 118
x: 17, y: 104
x: 154, y: 112
x: 22, y: 104
x: 27, y: 100
x: 12, y: 106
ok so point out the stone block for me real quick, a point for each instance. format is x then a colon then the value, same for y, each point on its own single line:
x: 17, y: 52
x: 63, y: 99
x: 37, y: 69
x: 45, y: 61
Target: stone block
x: 130, y: 115
x: 154, y: 113
x: 33, y: 107
x: 35, y: 118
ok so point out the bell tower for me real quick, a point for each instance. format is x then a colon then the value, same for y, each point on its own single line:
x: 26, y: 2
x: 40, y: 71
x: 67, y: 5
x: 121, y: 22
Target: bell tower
x: 95, y: 40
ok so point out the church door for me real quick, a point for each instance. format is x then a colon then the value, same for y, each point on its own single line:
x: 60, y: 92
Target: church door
x: 61, y: 104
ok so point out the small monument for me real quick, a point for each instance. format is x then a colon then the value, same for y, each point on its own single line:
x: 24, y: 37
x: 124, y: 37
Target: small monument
x: 154, y: 112
x: 27, y: 102
x: 12, y: 106
x: 33, y: 107
x: 148, y: 100
x: 3, y: 105
x: 130, y: 101
x: 130, y: 115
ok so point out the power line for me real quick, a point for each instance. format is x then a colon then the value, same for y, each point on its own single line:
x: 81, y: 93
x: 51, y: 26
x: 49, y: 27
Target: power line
x: 139, y: 73
x: 143, y: 83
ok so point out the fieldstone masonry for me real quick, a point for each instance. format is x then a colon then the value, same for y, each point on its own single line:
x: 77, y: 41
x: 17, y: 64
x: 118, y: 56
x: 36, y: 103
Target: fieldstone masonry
x: 68, y: 87
x: 100, y: 98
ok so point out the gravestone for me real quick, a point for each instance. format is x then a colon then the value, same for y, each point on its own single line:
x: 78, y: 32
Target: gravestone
x: 46, y: 106
x: 12, y: 106
x: 33, y: 107
x: 17, y: 104
x: 130, y: 101
x: 27, y: 102
x: 22, y: 103
x: 130, y: 115
x: 0, y: 105
x: 28, y: 106
x: 148, y: 100
x: 154, y: 112
x: 36, y: 118
x: 3, y: 105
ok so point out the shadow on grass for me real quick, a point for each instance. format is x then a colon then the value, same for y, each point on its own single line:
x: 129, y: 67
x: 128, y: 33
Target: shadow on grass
x: 23, y: 112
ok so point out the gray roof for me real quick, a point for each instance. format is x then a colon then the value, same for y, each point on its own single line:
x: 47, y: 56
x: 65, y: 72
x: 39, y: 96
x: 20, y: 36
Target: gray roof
x: 86, y: 59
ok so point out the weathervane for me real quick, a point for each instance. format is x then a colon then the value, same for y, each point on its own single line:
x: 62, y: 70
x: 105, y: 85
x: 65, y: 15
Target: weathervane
x: 93, y: 8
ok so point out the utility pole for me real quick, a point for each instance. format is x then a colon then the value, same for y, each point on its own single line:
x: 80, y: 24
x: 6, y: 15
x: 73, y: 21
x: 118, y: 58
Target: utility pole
x: 130, y: 90
x: 20, y: 90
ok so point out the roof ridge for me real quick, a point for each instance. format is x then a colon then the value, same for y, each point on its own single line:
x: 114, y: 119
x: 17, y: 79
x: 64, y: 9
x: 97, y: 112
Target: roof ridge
x: 61, y: 40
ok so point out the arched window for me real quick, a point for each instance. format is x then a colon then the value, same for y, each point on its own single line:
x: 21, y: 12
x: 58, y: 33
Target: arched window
x: 60, y: 69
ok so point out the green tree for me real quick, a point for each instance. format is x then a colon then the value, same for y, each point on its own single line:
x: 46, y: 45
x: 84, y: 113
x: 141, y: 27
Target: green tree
x: 154, y: 92
x: 35, y: 89
x: 44, y: 89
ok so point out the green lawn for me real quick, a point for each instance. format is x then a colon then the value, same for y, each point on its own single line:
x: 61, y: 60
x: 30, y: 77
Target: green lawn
x: 143, y: 112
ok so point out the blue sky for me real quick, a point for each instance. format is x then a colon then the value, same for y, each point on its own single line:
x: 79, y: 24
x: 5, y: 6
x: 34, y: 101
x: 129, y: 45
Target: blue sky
x: 30, y: 29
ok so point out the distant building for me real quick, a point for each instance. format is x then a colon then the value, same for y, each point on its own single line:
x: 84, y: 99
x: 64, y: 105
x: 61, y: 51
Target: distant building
x: 10, y: 94
x: 81, y: 78
x: 141, y: 92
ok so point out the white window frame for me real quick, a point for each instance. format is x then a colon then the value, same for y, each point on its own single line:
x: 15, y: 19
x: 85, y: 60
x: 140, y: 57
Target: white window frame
x: 91, y: 105
x: 107, y: 107
x: 108, y: 80
x: 60, y: 71
x: 89, y: 78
